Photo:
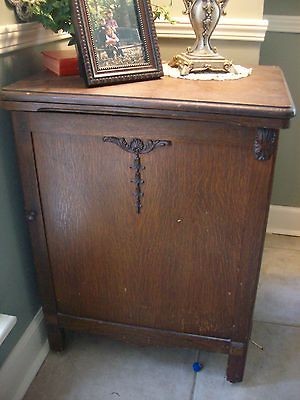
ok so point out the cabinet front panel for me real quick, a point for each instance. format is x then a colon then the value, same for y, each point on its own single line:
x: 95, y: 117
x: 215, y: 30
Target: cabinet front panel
x: 175, y: 264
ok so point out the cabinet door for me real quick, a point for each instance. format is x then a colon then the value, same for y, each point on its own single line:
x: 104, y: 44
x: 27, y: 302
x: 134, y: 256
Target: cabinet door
x: 178, y: 264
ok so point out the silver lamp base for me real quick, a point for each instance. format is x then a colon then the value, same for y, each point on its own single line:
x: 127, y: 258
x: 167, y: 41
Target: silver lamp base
x: 190, y: 62
x: 204, y: 16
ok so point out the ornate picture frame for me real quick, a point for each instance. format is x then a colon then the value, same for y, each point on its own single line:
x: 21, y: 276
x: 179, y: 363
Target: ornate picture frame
x: 116, y: 41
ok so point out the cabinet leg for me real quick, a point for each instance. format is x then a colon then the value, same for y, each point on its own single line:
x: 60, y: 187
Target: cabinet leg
x: 236, y: 362
x: 56, y: 337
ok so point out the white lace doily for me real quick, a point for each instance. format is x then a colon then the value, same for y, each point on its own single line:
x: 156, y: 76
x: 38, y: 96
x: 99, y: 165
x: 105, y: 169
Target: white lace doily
x: 238, y: 72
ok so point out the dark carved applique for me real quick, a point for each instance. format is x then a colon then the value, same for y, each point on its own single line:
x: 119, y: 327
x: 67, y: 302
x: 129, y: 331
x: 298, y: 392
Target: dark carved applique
x: 265, y: 144
x: 137, y: 147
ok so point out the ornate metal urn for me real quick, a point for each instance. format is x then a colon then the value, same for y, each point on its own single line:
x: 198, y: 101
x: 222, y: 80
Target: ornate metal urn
x: 204, y: 16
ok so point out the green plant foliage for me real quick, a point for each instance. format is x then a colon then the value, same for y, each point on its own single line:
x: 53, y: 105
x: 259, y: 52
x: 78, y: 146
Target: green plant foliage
x: 56, y: 14
x: 163, y: 13
x: 52, y: 14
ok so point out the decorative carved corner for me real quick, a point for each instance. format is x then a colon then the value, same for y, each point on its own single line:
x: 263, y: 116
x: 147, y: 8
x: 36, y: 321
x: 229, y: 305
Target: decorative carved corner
x: 22, y: 9
x: 265, y: 144
x: 137, y: 147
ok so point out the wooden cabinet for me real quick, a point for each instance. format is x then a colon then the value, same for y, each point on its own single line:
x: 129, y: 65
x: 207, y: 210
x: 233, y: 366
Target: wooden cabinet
x: 147, y: 204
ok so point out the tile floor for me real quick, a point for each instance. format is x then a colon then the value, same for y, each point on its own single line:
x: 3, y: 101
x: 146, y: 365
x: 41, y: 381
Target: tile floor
x: 94, y: 368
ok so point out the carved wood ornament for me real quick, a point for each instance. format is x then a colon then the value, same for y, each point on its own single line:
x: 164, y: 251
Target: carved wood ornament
x: 22, y: 9
x: 137, y: 147
x: 265, y: 144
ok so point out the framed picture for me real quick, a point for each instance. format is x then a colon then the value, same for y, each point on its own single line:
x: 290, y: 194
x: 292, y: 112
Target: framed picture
x: 116, y: 41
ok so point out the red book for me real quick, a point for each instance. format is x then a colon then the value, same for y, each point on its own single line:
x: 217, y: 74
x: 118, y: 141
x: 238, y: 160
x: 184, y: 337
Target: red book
x: 61, y: 62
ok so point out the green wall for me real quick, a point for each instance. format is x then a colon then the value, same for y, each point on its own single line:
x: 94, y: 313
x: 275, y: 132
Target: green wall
x: 18, y: 292
x: 18, y: 289
x: 279, y: 7
x: 283, y: 49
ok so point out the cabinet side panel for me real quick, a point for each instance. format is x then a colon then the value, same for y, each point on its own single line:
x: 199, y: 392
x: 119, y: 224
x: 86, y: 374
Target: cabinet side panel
x: 255, y: 222
x: 33, y: 212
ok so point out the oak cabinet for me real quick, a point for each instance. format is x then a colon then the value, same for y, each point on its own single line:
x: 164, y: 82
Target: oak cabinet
x: 147, y: 204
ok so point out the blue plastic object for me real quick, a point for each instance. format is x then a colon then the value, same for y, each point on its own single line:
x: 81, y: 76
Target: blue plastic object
x: 197, y: 367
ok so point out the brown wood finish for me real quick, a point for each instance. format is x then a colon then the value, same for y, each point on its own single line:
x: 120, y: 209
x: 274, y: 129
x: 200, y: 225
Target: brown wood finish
x: 144, y: 336
x: 183, y: 268
x: 33, y: 214
x: 263, y: 95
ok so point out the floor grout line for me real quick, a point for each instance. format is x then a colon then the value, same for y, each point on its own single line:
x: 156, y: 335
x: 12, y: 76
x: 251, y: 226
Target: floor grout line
x: 281, y: 248
x: 277, y: 323
x: 282, y: 234
x: 193, y: 387
x: 195, y: 377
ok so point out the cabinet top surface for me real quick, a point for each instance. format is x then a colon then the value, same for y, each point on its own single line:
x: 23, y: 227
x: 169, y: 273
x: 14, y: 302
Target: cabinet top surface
x: 264, y: 94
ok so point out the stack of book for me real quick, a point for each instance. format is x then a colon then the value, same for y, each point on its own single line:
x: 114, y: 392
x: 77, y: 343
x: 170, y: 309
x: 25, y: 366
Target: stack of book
x: 61, y: 62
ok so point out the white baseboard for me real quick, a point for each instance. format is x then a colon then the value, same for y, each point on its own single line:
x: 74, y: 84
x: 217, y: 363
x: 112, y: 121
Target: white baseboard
x: 7, y: 322
x: 284, y: 220
x: 23, y: 363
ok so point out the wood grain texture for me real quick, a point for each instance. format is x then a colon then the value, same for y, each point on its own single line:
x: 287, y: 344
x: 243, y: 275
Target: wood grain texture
x: 144, y: 336
x: 183, y: 271
x: 154, y: 255
x: 262, y: 95
x: 27, y: 167
x: 236, y: 362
